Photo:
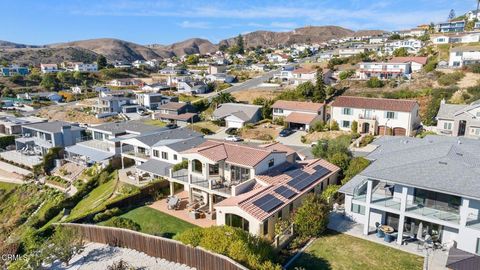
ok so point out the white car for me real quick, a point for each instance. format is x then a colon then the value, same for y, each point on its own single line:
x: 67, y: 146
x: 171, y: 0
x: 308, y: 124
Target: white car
x: 233, y: 138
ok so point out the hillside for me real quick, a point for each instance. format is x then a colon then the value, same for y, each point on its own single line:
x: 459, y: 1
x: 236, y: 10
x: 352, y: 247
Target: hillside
x: 189, y: 46
x: 299, y: 35
x: 11, y: 45
x: 35, y: 56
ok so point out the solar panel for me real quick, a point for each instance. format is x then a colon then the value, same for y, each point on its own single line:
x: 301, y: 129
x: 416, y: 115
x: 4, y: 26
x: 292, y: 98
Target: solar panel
x: 300, y: 183
x: 267, y: 203
x: 285, y: 192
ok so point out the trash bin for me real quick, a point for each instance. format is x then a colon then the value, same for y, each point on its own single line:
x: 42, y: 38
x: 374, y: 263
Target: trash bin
x: 380, y: 233
x: 388, y: 238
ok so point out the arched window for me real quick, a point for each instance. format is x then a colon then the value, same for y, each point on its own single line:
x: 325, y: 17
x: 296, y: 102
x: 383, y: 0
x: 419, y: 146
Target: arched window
x: 236, y: 221
x: 197, y: 166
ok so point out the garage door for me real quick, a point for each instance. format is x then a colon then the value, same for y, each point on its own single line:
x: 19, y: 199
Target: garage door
x: 381, y: 130
x: 233, y: 124
x: 399, y: 131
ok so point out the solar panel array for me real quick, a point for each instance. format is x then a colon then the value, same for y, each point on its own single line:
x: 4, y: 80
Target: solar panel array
x: 285, y: 192
x: 304, y: 180
x: 267, y: 203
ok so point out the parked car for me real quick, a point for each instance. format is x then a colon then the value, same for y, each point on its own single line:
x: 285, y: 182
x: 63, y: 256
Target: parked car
x: 233, y: 138
x: 285, y: 132
x: 171, y: 126
x: 231, y: 131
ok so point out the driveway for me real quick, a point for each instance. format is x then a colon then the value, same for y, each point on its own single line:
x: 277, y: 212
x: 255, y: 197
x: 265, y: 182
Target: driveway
x: 219, y: 135
x: 294, y: 139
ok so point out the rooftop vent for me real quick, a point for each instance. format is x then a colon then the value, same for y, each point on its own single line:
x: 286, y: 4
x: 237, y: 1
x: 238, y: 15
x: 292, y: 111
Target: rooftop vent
x: 443, y: 162
x: 459, y: 154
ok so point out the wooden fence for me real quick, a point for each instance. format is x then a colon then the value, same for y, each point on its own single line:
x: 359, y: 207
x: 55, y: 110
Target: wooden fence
x: 156, y: 246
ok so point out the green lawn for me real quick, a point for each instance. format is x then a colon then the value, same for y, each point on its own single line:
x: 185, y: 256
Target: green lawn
x: 95, y: 200
x: 154, y: 122
x: 155, y: 222
x: 8, y: 186
x: 337, y: 251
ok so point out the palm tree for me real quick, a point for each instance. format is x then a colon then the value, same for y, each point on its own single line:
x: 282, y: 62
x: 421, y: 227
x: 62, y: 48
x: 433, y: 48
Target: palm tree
x: 222, y: 97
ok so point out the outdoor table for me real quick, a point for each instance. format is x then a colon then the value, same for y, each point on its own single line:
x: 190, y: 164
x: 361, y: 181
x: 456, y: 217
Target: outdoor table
x: 386, y: 228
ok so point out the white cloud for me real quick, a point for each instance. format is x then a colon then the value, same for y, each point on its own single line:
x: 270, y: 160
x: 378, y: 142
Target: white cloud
x: 195, y: 25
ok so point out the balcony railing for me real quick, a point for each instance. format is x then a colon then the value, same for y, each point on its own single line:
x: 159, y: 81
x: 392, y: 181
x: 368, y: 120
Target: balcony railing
x: 367, y: 117
x: 386, y: 201
x: 444, y: 215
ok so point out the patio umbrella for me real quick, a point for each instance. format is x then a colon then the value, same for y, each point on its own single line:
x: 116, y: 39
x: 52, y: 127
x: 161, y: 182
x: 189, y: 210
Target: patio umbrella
x: 420, y: 231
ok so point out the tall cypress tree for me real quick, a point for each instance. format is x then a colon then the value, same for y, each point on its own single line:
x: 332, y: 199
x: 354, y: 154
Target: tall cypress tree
x: 319, y: 95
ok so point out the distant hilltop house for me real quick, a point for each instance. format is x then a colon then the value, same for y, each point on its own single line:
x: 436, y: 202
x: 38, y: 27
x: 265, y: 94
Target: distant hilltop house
x: 221, y: 77
x: 153, y: 101
x: 414, y: 32
x: 451, y: 26
x: 377, y: 116
x: 347, y: 52
x: 125, y: 82
x: 464, y: 55
x: 192, y: 87
x: 50, y: 96
x: 13, y: 70
x: 459, y: 119
x: 173, y: 71
x: 49, y: 68
x: 214, y: 69
x: 411, y: 45
x: 416, y: 62
x: 448, y: 38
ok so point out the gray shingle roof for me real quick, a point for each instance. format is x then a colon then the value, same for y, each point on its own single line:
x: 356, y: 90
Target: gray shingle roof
x: 52, y: 127
x: 227, y: 109
x: 122, y: 127
x: 445, y: 164
x: 168, y: 136
x: 155, y: 166
x: 448, y: 111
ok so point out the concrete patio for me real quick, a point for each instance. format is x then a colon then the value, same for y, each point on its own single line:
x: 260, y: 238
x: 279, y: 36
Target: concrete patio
x: 182, y: 212
x: 436, y: 258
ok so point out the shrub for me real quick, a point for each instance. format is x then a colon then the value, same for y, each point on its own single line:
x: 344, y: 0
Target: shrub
x: 180, y: 166
x: 311, y: 218
x: 125, y: 223
x: 279, y: 121
x: 450, y: 78
x: 107, y: 214
x: 346, y: 74
x: 334, y: 125
x: 318, y: 126
x: 6, y: 141
x: 366, y: 140
x: 354, y: 126
x: 475, y: 68
x: 374, y: 82
x: 356, y: 165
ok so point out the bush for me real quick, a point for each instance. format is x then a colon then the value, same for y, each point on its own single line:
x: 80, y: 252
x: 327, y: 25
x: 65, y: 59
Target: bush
x: 374, y: 82
x: 354, y: 126
x: 475, y: 68
x: 366, y: 140
x: 346, y: 74
x: 334, y: 126
x: 125, y: 223
x: 311, y: 218
x: 107, y: 214
x: 180, y: 166
x: 6, y: 141
x: 252, y: 251
x: 318, y: 126
x: 356, y: 165
x: 450, y: 78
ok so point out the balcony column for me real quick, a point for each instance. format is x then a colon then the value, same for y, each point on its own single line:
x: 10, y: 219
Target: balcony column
x: 401, y: 219
x: 210, y: 203
x: 464, y: 212
x: 368, y: 200
x: 172, y: 188
x: 121, y: 155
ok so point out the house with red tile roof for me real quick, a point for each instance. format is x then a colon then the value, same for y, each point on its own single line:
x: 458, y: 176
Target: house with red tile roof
x: 377, y: 116
x: 298, y: 114
x: 249, y: 186
x: 416, y: 62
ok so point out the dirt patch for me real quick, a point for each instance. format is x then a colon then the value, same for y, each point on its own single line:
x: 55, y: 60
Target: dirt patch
x: 76, y: 113
x: 315, y: 136
x: 251, y: 94
x: 263, y: 132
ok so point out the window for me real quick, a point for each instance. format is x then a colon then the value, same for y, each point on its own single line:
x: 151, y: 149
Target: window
x: 346, y: 124
x: 164, y: 155
x: 271, y: 162
x: 478, y: 114
x: 239, y: 173
x: 265, y: 227
x: 347, y: 111
x: 458, y: 54
x: 447, y: 125
x: 279, y: 215
x: 175, y: 157
x: 98, y: 136
x: 213, y: 169
x: 475, y: 131
x: 236, y: 221
x: 156, y: 153
x: 477, y: 249
x: 359, y: 209
x: 290, y: 208
x: 390, y: 115
x: 276, y: 110
x: 197, y: 166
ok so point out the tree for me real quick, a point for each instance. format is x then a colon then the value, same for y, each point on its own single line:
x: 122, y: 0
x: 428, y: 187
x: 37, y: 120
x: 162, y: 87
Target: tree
x: 319, y: 95
x: 340, y: 159
x: 374, y: 82
x: 64, y: 244
x: 306, y: 89
x: 354, y: 126
x: 311, y: 218
x: 356, y: 165
x: 240, y: 44
x: 101, y: 62
x: 400, y: 52
x: 222, y: 97
x: 451, y: 14
x: 266, y: 106
x: 192, y: 59
x: 49, y: 81
x: 223, y: 47
x: 395, y: 37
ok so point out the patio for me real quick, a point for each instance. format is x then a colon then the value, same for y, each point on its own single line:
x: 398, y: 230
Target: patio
x: 436, y: 258
x: 20, y: 158
x: 183, y: 210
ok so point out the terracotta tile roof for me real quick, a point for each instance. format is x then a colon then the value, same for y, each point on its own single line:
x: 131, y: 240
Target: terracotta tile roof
x: 275, y: 179
x: 417, y: 59
x: 276, y: 146
x: 301, y: 118
x: 304, y: 70
x: 298, y: 106
x: 398, y: 105
x: 231, y: 152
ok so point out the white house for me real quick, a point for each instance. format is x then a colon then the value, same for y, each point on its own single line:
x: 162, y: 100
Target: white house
x: 459, y: 119
x: 49, y: 68
x: 347, y: 52
x: 465, y: 55
x: 384, y: 70
x: 84, y: 67
x: 446, y: 38
x: 422, y: 188
x: 412, y: 45
x: 416, y: 62
x: 398, y: 117
x: 297, y: 114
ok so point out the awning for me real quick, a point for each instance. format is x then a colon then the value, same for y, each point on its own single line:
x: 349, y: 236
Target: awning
x: 156, y: 167
x: 91, y: 153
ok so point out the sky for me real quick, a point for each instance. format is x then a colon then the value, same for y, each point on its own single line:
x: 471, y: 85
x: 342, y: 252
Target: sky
x: 40, y: 22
